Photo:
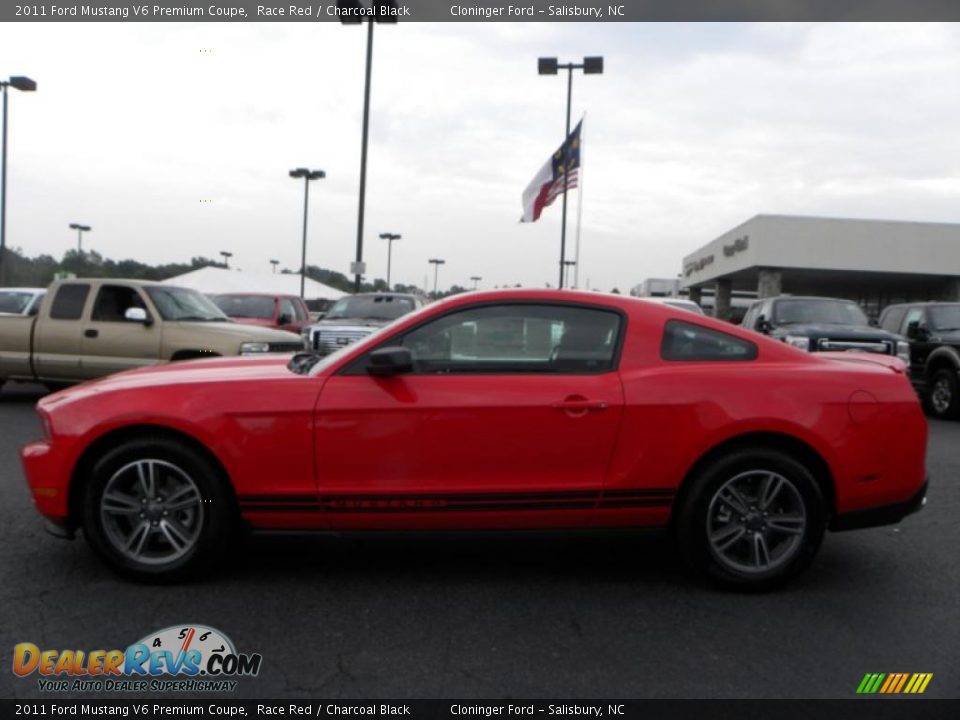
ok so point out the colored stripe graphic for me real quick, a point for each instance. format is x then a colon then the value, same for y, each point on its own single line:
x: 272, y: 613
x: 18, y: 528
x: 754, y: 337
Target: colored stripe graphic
x: 894, y: 683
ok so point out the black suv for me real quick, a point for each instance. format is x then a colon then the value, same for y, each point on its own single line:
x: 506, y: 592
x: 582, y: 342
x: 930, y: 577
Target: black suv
x: 820, y: 324
x: 933, y: 330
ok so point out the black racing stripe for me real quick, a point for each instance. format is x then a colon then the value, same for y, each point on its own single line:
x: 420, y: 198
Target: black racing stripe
x: 398, y: 506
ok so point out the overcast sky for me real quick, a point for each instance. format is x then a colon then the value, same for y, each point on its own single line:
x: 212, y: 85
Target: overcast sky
x: 692, y: 129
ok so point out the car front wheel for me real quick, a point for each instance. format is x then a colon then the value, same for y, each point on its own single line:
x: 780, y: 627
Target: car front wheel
x: 943, y: 398
x: 157, y: 510
x: 752, y: 520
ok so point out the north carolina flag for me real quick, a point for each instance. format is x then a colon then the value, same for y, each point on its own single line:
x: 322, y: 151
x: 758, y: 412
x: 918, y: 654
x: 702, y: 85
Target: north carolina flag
x: 548, y: 183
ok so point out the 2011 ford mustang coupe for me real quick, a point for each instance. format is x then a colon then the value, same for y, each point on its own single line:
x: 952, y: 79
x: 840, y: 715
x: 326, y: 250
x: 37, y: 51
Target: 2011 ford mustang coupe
x: 495, y: 410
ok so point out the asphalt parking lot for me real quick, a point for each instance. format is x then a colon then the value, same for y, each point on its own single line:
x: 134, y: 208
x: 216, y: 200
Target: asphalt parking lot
x: 536, y: 616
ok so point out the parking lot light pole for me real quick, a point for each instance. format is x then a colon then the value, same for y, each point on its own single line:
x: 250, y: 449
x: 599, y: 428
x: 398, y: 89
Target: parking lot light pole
x: 274, y: 263
x: 436, y: 262
x: 24, y: 84
x: 307, y: 176
x: 549, y: 66
x: 226, y: 258
x: 476, y: 281
x: 389, y: 237
x: 567, y: 265
x: 353, y: 12
x: 81, y: 229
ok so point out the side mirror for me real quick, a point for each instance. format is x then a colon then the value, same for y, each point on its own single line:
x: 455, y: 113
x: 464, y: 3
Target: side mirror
x: 283, y: 319
x: 137, y: 315
x: 915, y: 331
x: 763, y: 325
x: 390, y: 361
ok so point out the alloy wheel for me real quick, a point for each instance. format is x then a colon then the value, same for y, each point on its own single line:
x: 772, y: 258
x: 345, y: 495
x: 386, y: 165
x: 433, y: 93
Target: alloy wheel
x: 152, y: 511
x: 756, y: 522
x: 941, y: 396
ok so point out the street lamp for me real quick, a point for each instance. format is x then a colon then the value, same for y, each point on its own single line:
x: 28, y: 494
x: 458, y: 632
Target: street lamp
x: 436, y: 262
x: 476, y: 280
x: 353, y: 12
x: 389, y: 237
x: 24, y: 84
x: 274, y: 263
x: 226, y: 258
x: 549, y: 66
x: 568, y: 264
x: 81, y: 229
x: 307, y: 176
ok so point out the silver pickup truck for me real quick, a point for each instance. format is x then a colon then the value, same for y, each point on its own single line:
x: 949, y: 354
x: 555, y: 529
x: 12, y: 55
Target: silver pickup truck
x: 89, y: 328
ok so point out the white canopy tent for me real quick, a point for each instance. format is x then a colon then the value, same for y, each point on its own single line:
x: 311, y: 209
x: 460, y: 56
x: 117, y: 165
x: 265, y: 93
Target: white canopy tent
x: 218, y: 281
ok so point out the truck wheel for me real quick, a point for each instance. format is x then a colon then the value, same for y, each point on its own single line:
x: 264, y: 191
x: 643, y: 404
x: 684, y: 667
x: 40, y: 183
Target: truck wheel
x: 752, y: 520
x: 943, y: 394
x: 156, y: 510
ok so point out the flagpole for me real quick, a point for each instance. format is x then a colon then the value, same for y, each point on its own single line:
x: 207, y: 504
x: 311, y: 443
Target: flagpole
x: 576, y: 252
x: 563, y: 222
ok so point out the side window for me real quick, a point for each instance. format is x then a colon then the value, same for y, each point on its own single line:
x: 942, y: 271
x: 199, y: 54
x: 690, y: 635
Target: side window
x: 686, y: 341
x: 517, y: 338
x: 893, y: 318
x: 914, y: 315
x: 113, y: 301
x: 69, y: 302
x: 300, y: 311
x: 750, y: 318
x: 286, y: 308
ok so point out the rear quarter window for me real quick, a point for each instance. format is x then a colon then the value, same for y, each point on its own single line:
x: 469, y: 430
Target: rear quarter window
x: 688, y: 341
x: 69, y: 302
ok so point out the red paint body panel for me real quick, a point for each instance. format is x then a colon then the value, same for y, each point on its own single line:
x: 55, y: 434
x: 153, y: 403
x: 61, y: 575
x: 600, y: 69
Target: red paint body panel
x: 340, y: 451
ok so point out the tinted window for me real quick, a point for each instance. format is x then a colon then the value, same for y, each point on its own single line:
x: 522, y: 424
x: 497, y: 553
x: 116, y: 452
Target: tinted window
x: 686, y: 341
x: 370, y: 307
x: 892, y: 318
x: 69, y: 302
x: 15, y: 302
x: 945, y: 318
x: 113, y: 301
x: 915, y: 315
x: 286, y: 308
x: 517, y: 338
x: 806, y: 310
x: 246, y: 306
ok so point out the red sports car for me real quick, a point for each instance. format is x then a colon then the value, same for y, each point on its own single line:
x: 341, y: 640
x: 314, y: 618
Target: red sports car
x: 494, y: 410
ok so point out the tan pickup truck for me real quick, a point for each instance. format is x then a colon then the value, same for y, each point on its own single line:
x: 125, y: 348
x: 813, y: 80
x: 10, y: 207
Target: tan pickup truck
x: 89, y: 328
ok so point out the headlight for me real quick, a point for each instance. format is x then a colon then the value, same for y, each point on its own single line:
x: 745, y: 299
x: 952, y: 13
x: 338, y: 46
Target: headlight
x: 903, y: 351
x: 45, y: 426
x: 798, y: 341
x: 251, y: 348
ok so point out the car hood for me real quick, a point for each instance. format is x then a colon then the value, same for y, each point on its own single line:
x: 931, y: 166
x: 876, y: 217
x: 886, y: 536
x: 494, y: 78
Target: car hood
x: 212, y: 370
x: 836, y: 332
x: 241, y: 331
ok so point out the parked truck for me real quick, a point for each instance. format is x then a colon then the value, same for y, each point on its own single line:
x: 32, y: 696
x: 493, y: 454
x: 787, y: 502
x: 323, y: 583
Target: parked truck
x: 86, y: 329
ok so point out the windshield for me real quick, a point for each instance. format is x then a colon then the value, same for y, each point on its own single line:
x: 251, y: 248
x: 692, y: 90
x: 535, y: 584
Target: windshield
x: 175, y: 303
x: 832, y: 312
x: 945, y: 317
x: 246, y: 306
x: 370, y: 307
x: 14, y: 302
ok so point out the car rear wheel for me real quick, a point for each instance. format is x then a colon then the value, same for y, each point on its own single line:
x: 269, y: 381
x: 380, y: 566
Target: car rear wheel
x: 157, y: 510
x: 752, y: 520
x: 943, y: 397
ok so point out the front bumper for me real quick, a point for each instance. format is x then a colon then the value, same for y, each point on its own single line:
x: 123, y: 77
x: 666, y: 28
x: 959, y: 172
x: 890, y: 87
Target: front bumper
x: 884, y: 515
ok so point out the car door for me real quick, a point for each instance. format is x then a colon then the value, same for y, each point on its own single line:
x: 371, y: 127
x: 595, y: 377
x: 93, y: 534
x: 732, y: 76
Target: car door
x: 58, y: 336
x: 920, y: 345
x: 112, y: 343
x: 508, y: 419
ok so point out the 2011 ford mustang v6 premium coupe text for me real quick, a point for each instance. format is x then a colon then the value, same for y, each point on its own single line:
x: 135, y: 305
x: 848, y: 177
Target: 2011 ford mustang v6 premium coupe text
x: 493, y: 410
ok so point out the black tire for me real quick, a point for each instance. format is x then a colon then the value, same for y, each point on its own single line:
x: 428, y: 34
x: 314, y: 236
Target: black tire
x: 212, y: 520
x: 702, y: 500
x: 942, y: 399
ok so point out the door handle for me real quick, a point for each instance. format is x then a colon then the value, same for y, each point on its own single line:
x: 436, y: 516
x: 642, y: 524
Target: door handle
x: 580, y: 405
x: 91, y: 333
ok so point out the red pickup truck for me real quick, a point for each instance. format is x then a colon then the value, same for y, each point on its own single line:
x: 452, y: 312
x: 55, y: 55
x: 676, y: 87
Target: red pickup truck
x: 283, y: 312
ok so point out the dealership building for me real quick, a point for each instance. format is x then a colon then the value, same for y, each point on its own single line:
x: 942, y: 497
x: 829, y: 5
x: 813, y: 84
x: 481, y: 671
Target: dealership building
x: 874, y: 262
